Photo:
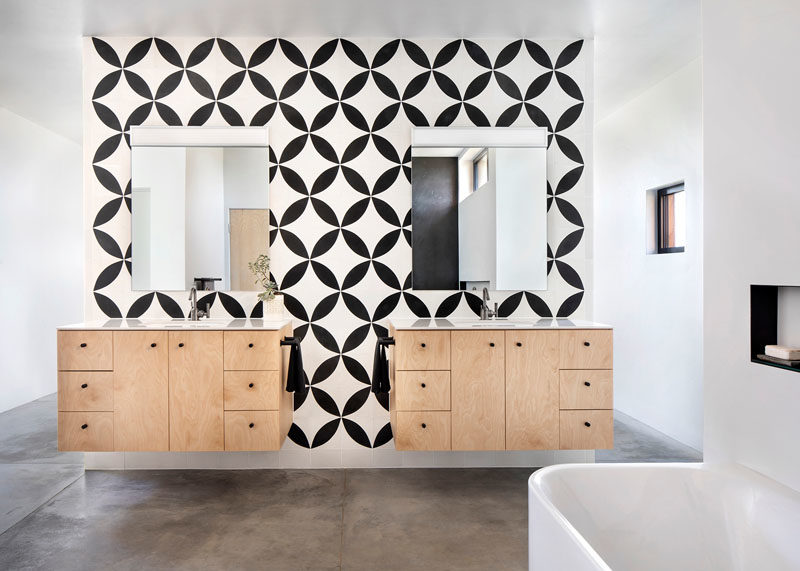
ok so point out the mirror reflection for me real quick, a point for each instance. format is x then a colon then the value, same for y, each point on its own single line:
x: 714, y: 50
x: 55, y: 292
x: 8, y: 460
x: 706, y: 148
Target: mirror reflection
x: 479, y: 218
x: 198, y: 213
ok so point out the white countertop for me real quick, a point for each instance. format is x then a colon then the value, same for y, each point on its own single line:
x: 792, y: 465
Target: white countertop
x: 510, y: 323
x: 176, y: 324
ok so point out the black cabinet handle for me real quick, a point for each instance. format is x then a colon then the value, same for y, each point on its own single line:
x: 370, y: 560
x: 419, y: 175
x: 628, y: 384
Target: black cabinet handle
x: 491, y: 344
x: 586, y: 343
x: 422, y: 344
x: 519, y: 344
x: 84, y: 426
x: 587, y: 423
x: 252, y: 425
x: 152, y: 344
x: 250, y: 385
x: 423, y: 385
x: 250, y: 345
x: 180, y: 344
x: 587, y: 383
x: 84, y: 385
x: 83, y: 345
x: 424, y: 425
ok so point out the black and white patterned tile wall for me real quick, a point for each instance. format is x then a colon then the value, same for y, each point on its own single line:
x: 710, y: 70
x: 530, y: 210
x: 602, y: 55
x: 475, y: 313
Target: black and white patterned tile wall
x: 340, y: 114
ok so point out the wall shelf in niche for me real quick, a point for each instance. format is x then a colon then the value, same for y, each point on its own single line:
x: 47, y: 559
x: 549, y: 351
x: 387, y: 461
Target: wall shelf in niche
x: 774, y: 319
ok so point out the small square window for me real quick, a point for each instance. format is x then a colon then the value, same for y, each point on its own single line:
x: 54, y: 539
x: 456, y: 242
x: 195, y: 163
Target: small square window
x: 671, y: 219
x: 480, y: 170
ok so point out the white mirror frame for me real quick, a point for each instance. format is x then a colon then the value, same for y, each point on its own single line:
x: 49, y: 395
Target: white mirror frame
x: 199, y: 137
x: 479, y: 137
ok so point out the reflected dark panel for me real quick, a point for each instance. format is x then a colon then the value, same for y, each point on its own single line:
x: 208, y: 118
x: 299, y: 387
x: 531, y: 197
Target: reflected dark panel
x: 434, y: 224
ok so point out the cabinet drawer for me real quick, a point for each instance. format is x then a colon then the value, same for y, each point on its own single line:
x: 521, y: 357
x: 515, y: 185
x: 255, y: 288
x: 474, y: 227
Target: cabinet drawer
x: 422, y: 390
x: 422, y: 431
x: 422, y: 350
x: 252, y: 390
x: 252, y: 430
x: 586, y: 429
x: 586, y: 389
x: 86, y: 431
x: 586, y: 349
x: 85, y: 351
x: 252, y: 351
x: 84, y: 391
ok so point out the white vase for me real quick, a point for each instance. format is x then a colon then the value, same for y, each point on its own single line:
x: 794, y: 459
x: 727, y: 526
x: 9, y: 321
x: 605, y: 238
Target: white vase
x: 273, y: 308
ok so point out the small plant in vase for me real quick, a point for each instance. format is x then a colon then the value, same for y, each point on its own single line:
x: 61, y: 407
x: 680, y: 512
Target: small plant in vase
x: 273, y: 301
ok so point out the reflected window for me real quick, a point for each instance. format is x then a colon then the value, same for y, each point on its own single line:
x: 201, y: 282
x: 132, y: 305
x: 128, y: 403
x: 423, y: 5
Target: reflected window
x: 480, y: 170
x: 671, y: 219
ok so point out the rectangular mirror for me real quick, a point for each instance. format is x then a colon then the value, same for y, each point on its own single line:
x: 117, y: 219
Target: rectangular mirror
x: 200, y: 207
x: 479, y: 208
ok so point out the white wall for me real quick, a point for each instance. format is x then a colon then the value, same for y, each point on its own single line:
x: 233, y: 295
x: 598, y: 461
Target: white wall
x: 654, y: 302
x: 163, y: 171
x: 206, y: 223
x: 521, y: 241
x: 752, y: 225
x: 477, y: 229
x: 41, y: 254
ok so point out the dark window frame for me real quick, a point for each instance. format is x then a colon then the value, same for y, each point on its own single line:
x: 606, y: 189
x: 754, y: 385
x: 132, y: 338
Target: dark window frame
x: 662, y: 219
x: 475, y: 161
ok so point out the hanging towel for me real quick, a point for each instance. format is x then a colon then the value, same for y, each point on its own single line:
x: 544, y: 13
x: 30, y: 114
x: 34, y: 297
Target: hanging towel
x: 295, y: 378
x: 380, y: 366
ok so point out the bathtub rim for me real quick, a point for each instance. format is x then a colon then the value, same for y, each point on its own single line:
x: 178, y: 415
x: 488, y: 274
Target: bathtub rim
x: 536, y: 487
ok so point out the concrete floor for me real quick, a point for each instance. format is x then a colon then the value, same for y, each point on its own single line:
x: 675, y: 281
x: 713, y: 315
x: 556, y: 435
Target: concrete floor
x: 53, y: 516
x: 636, y: 442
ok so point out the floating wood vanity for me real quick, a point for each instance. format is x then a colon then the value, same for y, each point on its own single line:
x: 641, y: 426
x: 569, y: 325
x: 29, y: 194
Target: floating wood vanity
x: 127, y: 385
x: 501, y: 385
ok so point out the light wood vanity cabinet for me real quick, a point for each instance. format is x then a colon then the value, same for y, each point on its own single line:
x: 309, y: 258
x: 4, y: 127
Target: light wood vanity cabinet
x: 179, y: 390
x: 495, y: 389
x: 478, y: 398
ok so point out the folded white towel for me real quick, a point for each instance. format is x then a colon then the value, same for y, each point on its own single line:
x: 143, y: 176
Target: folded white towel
x: 782, y: 352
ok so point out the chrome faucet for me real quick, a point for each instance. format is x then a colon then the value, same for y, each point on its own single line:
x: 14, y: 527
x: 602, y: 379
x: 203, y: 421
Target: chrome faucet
x: 487, y: 313
x: 194, y: 313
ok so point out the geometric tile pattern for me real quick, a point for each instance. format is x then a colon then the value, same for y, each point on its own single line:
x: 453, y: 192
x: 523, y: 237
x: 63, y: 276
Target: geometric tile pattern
x: 340, y: 114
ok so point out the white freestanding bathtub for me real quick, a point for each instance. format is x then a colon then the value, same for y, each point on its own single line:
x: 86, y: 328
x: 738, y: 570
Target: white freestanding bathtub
x: 649, y: 517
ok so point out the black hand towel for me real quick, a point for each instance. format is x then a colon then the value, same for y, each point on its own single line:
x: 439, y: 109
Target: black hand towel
x: 295, y: 378
x: 380, y: 368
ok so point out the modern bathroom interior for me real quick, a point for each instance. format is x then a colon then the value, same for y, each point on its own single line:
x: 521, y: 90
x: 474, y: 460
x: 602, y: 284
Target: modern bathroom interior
x: 423, y: 285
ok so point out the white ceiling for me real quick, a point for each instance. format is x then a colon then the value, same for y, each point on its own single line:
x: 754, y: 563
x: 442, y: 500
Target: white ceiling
x: 638, y: 42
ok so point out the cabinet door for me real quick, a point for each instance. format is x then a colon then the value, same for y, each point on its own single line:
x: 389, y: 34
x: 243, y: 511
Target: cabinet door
x: 532, y: 390
x: 141, y: 393
x: 477, y: 390
x: 195, y: 391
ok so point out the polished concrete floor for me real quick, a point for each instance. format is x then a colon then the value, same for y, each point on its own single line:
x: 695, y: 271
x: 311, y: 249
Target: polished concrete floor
x: 53, y: 516
x: 637, y: 442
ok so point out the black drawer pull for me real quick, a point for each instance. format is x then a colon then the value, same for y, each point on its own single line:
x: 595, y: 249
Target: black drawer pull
x: 587, y: 383
x: 586, y: 343
x: 152, y: 344
x: 424, y: 425
x: 84, y: 426
x: 251, y: 385
x: 422, y: 344
x: 252, y: 425
x: 587, y: 423
x: 250, y: 345
x: 83, y: 345
x: 491, y: 344
x: 84, y: 385
x: 422, y: 385
x: 519, y: 344
x: 180, y: 344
